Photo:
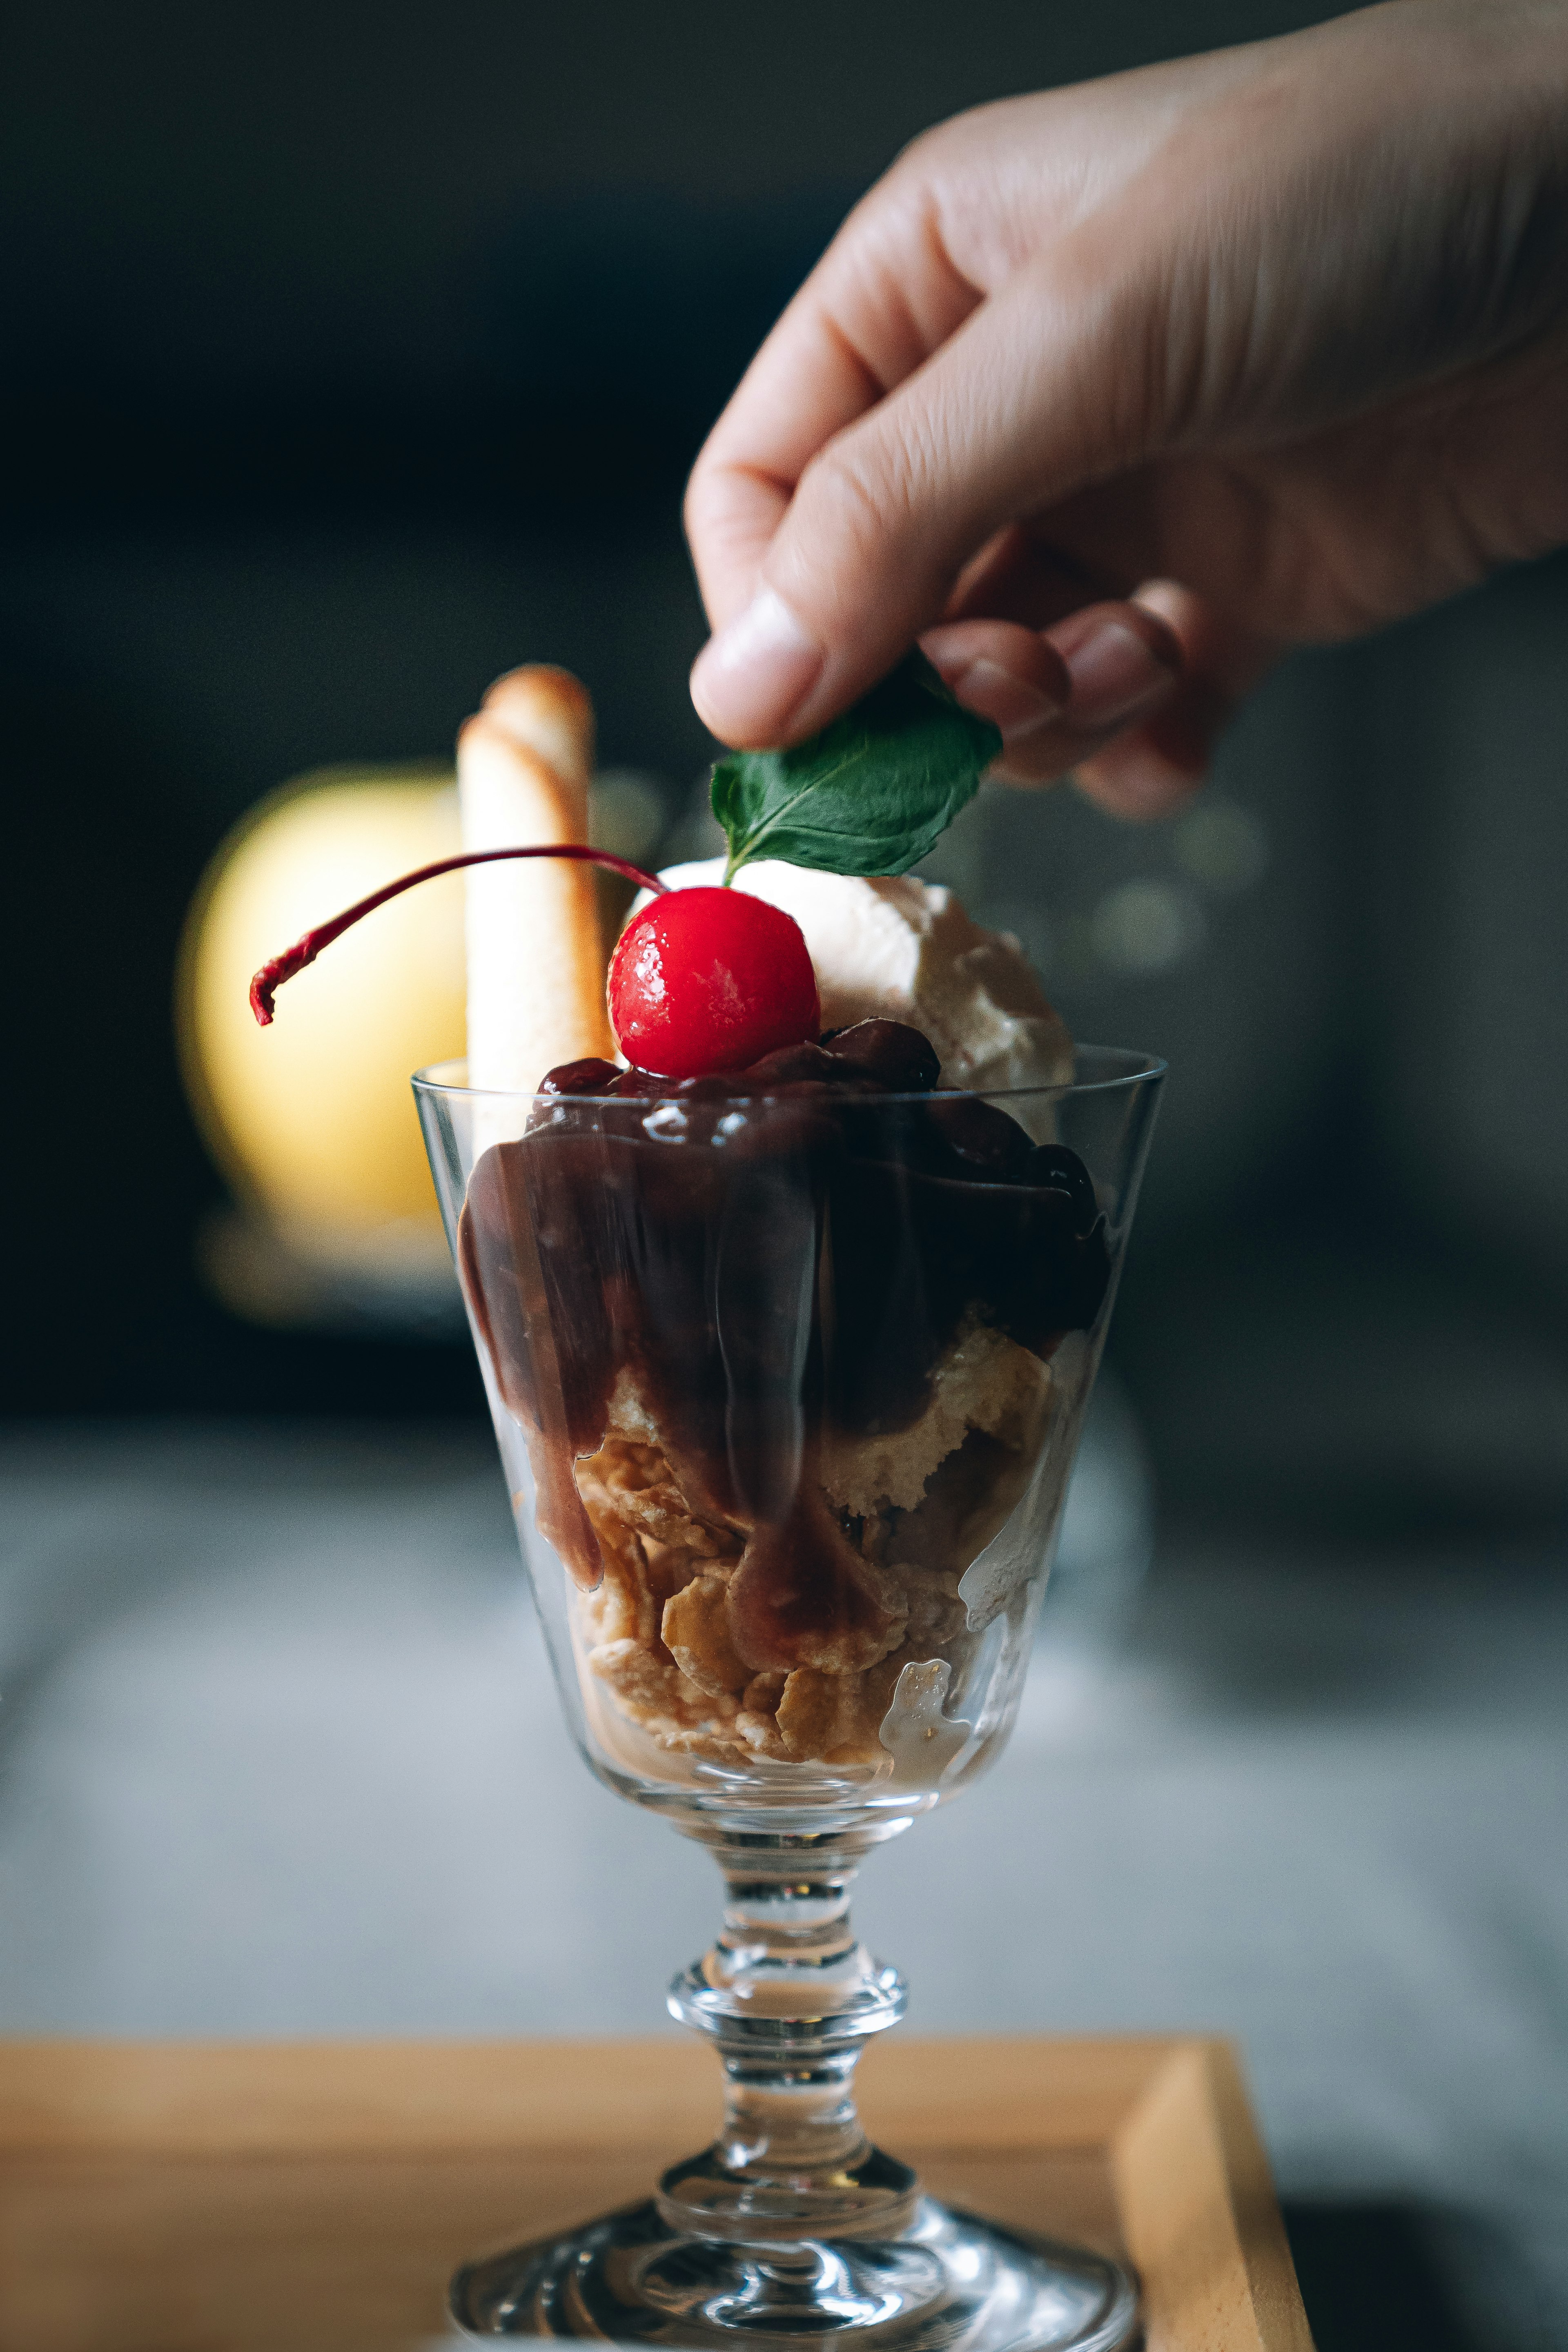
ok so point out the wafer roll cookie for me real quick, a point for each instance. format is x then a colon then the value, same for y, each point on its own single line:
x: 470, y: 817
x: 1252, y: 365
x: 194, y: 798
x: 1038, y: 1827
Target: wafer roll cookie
x: 548, y: 711
x: 536, y: 974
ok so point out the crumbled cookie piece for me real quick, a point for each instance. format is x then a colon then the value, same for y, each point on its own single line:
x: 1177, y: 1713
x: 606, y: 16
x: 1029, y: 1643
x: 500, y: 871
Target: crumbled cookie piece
x: 813, y: 1710
x: 629, y: 1416
x: 695, y: 1633
x: 631, y: 1481
x: 986, y: 1382
x: 654, y: 1552
x: 764, y: 1692
x: 968, y: 1500
x: 653, y: 1690
x: 937, y: 1615
x: 761, y: 1735
x: 625, y: 1607
x: 714, y: 1741
x: 688, y: 1596
x: 836, y: 1718
x: 803, y: 1595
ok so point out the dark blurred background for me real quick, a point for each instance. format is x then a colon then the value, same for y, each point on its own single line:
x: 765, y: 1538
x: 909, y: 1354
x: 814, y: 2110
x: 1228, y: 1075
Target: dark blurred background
x: 358, y: 353
x: 355, y: 354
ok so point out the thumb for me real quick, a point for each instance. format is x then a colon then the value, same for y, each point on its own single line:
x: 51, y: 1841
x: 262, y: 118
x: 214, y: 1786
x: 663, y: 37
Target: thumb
x: 1015, y: 410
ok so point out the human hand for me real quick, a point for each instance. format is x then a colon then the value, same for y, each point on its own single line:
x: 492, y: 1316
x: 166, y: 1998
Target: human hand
x: 1111, y: 394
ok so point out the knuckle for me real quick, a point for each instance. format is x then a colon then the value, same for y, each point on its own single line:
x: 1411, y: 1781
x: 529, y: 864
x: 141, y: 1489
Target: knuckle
x: 698, y: 498
x: 862, y: 529
x: 870, y: 490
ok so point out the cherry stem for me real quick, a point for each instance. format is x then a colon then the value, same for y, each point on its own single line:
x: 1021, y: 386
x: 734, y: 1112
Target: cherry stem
x: 279, y: 968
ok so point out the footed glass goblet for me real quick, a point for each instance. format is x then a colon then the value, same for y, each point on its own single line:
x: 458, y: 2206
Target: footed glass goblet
x: 787, y: 1387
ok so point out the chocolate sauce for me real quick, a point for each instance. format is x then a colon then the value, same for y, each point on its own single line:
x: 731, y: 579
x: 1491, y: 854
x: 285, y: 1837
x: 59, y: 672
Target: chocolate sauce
x: 766, y: 1253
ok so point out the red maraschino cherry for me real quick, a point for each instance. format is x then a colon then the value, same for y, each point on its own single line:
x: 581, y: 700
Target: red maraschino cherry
x: 701, y: 980
x: 710, y: 978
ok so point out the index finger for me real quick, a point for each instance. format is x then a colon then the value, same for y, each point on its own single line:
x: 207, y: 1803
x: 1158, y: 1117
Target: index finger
x: 885, y: 295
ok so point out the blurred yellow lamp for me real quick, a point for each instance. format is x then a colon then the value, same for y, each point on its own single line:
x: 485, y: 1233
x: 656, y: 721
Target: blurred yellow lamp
x: 312, y: 1120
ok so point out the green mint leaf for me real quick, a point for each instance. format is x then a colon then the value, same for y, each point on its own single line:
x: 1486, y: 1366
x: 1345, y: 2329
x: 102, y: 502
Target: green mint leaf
x: 871, y: 793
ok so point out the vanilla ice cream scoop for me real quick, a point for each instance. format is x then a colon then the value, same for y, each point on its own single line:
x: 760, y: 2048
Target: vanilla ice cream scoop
x: 894, y: 949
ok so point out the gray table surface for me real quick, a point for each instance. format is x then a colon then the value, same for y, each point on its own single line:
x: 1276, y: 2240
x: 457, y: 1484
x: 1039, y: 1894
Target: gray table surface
x: 279, y: 1753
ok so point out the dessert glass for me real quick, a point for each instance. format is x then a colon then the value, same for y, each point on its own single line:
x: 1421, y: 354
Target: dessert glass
x: 787, y: 1387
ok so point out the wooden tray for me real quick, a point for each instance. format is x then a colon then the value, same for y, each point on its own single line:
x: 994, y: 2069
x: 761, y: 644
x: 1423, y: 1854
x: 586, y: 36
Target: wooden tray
x: 314, y: 2197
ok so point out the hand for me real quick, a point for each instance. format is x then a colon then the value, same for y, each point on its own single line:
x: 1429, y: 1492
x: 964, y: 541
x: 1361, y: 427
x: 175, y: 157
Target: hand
x: 1110, y: 394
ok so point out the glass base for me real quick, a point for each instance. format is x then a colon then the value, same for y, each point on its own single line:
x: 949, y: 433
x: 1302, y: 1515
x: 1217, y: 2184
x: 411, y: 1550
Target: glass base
x: 947, y: 2282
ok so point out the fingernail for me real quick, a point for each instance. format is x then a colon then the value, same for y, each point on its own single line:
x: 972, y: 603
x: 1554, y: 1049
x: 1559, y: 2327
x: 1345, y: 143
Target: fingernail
x: 1113, y: 674
x: 748, y: 679
x: 1014, y: 704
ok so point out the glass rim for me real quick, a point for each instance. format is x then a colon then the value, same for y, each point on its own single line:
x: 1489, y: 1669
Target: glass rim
x: 1138, y: 1068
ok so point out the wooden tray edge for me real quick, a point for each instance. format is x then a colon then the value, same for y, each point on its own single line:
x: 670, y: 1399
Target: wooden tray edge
x: 1200, y: 2217
x: 1170, y: 2115
x: 171, y: 2098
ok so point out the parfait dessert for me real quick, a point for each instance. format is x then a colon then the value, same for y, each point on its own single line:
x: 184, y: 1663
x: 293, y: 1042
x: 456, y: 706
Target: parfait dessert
x: 788, y: 1248
x: 786, y: 1341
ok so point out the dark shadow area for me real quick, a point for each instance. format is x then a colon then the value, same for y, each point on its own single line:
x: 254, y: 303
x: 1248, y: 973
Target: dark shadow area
x: 1397, y: 2277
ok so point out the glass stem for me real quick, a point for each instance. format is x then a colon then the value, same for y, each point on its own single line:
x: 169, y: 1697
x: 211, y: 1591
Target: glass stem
x: 789, y: 1996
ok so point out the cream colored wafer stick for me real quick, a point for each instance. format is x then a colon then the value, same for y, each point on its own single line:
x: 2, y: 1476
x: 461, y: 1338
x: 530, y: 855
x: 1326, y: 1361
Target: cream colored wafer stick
x: 536, y: 965
x: 548, y: 711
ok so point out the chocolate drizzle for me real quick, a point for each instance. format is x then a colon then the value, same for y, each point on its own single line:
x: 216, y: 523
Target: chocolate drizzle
x: 760, y: 1256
